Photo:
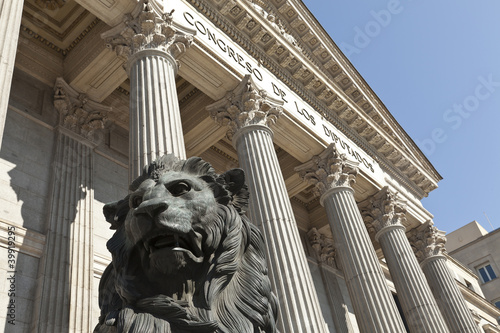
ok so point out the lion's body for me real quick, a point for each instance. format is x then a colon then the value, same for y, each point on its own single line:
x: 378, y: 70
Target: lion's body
x: 185, y: 257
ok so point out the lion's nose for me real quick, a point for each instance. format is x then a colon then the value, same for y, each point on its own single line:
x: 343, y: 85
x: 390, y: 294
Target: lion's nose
x: 151, y: 207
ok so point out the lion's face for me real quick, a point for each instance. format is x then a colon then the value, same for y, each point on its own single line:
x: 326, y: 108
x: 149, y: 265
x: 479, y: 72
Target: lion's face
x: 167, y: 221
x: 185, y: 257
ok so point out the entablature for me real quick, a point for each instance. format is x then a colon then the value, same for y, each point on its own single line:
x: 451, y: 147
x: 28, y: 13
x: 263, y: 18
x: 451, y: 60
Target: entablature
x: 281, y: 36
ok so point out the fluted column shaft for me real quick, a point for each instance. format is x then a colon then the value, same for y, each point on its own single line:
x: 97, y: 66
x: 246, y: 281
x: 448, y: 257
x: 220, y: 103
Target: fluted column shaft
x: 325, y: 255
x: 66, y: 277
x: 155, y: 118
x: 340, y: 312
x: 448, y: 296
x: 63, y: 302
x: 372, y: 301
x: 420, y: 309
x: 429, y: 245
x: 151, y: 41
x: 271, y: 210
x: 385, y: 214
x: 10, y: 23
x: 333, y: 175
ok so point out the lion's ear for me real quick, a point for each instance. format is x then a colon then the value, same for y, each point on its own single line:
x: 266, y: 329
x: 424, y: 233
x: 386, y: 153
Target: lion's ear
x: 238, y: 191
x: 235, y: 180
x: 116, y: 212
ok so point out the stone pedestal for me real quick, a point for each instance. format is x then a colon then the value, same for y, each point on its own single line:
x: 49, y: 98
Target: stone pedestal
x: 428, y: 244
x: 248, y: 112
x: 63, y: 301
x: 151, y: 42
x: 386, y: 214
x: 373, y: 304
x: 10, y: 23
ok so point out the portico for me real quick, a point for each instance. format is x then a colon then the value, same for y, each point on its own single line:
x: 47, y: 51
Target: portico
x: 242, y: 84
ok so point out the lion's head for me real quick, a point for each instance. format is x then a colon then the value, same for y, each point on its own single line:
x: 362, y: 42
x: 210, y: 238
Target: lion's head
x: 185, y: 257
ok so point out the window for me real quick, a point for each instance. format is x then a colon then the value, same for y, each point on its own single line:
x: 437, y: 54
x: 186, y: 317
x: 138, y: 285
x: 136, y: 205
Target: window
x: 497, y: 304
x: 486, y: 272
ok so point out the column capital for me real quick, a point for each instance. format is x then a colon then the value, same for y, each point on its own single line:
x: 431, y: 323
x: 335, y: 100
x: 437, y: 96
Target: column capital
x: 427, y: 241
x: 323, y: 247
x: 383, y: 212
x: 148, y: 27
x: 246, y: 105
x: 329, y: 170
x: 78, y: 113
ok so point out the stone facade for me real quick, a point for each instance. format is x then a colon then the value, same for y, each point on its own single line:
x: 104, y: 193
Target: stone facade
x: 478, y: 250
x: 101, y: 88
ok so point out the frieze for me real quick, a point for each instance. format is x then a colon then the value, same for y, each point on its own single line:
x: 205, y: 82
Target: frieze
x: 248, y: 65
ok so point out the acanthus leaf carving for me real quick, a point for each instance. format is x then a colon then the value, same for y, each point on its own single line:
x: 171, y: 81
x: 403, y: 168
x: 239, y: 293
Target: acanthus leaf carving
x: 329, y: 170
x: 382, y: 210
x: 427, y: 241
x: 246, y: 105
x: 323, y: 246
x: 77, y: 112
x: 150, y: 28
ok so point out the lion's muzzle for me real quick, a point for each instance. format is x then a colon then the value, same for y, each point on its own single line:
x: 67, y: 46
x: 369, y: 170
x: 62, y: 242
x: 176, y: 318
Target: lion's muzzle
x: 152, y: 207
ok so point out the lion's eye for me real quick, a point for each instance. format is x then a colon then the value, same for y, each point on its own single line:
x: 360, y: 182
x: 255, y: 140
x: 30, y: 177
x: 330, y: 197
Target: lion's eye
x: 135, y: 201
x: 179, y: 188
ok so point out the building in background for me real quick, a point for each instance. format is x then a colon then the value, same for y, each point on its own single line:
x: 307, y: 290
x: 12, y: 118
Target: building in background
x: 479, y: 250
x: 92, y: 90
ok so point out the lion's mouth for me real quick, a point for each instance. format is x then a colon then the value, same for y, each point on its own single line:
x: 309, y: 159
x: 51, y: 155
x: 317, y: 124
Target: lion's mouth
x: 189, y: 244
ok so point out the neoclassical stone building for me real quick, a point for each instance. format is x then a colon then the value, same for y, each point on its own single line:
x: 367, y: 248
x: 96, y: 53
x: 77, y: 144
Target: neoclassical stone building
x: 92, y: 90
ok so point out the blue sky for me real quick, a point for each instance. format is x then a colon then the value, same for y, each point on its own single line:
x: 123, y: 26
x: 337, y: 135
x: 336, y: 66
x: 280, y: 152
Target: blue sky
x: 436, y: 67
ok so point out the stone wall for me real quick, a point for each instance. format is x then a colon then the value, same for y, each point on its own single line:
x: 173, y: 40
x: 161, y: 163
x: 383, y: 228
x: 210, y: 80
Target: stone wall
x: 25, y: 172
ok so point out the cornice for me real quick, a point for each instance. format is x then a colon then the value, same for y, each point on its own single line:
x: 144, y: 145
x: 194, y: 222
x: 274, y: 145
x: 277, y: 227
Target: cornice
x: 391, y: 157
x: 475, y: 241
x: 366, y: 89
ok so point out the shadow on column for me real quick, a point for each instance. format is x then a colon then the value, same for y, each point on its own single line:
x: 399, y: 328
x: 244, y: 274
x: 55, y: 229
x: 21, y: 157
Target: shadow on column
x: 400, y: 309
x: 61, y: 259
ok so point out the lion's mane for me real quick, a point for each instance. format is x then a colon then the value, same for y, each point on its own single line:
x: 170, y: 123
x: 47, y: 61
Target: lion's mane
x: 233, y: 293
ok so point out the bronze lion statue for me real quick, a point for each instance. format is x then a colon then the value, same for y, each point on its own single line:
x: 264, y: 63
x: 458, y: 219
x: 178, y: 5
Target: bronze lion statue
x: 185, y: 257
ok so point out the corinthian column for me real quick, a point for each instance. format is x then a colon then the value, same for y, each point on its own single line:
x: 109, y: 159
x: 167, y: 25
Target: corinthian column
x: 10, y: 23
x: 248, y: 112
x: 386, y: 214
x: 64, y: 296
x: 428, y: 244
x: 332, y: 176
x: 151, y: 41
